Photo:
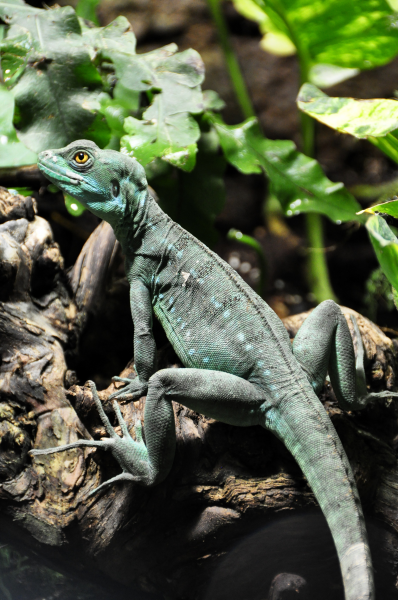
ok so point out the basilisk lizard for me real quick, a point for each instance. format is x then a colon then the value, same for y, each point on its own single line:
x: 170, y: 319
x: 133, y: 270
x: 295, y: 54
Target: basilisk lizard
x: 241, y: 367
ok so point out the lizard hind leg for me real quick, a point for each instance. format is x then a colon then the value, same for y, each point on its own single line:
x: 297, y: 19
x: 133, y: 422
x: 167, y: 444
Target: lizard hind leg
x: 363, y: 396
x: 324, y: 344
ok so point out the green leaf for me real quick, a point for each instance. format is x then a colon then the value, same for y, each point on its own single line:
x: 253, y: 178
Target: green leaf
x: 212, y: 101
x: 149, y: 139
x: 359, y: 35
x: 360, y: 118
x: 375, y: 119
x: 327, y: 75
x: 297, y: 180
x: 276, y: 39
x: 56, y: 93
x: 167, y: 129
x: 73, y: 206
x: 385, y: 245
x: 86, y: 9
x: 387, y: 208
x: 117, y: 37
x: 13, y: 153
x: 14, y: 55
x: 42, y: 24
x: 22, y: 191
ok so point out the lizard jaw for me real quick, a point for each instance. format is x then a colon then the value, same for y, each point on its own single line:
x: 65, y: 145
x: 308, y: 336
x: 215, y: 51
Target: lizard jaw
x: 59, y: 174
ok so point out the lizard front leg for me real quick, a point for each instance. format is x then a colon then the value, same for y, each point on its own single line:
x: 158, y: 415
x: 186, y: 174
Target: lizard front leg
x: 323, y: 344
x: 144, y: 344
x: 225, y: 397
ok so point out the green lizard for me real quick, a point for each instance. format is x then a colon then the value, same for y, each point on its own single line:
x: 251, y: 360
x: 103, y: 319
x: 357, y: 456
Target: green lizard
x: 240, y: 365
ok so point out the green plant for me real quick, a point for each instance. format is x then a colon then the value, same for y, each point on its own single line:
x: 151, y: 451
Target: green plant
x: 65, y: 79
x: 333, y: 40
x: 377, y: 121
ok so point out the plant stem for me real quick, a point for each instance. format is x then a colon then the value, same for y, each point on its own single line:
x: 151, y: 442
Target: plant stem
x: 318, y: 274
x: 317, y: 269
x: 235, y: 73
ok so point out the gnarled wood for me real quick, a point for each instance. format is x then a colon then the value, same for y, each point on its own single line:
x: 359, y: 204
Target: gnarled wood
x: 226, y: 484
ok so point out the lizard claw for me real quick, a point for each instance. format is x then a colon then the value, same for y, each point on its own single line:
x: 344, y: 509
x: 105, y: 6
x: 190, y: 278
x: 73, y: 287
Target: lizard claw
x: 134, y: 390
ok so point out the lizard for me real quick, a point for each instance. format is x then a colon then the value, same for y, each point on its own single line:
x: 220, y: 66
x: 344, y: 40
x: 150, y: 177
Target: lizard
x: 240, y: 366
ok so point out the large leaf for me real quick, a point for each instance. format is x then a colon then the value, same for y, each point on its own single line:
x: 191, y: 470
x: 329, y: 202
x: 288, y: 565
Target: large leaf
x: 12, y: 152
x: 71, y: 80
x: 385, y: 245
x: 56, y: 93
x: 361, y: 118
x: 376, y: 119
x: 298, y: 181
x: 352, y: 34
x: 167, y: 129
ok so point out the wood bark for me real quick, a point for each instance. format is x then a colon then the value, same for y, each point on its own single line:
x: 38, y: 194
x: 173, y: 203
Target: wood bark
x: 235, y: 518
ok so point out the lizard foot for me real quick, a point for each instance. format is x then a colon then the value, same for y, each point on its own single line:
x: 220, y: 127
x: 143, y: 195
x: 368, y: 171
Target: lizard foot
x: 131, y: 454
x: 105, y: 443
x: 134, y: 390
x: 363, y: 396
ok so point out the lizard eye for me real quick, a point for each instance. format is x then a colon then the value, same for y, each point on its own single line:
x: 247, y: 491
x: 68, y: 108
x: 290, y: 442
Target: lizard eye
x: 81, y: 157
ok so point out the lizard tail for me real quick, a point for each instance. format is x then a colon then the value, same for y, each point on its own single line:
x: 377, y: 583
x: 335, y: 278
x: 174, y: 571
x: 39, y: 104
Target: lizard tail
x: 308, y: 433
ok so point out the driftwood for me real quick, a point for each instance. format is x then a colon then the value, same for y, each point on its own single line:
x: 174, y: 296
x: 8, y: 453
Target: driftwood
x: 234, y: 519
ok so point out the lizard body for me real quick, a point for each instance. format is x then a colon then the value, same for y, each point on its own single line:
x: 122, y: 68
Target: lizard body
x: 240, y: 365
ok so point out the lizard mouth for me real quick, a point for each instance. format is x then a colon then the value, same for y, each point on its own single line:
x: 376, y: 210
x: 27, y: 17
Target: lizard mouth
x: 59, y: 174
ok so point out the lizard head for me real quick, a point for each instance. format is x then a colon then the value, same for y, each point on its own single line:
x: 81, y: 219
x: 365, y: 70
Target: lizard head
x: 104, y: 181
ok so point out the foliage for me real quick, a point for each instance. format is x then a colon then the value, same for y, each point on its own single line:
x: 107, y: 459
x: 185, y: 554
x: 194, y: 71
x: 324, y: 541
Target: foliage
x: 334, y: 40
x: 49, y: 69
x: 387, y: 208
x: 360, y: 118
x: 12, y: 151
x: 376, y: 120
x: 86, y: 9
x: 297, y: 180
x: 70, y: 80
x: 66, y: 78
x: 167, y: 128
x: 385, y: 245
x: 347, y: 35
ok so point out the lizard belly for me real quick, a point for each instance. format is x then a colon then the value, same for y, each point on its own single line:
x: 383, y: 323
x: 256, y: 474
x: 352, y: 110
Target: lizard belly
x: 237, y: 346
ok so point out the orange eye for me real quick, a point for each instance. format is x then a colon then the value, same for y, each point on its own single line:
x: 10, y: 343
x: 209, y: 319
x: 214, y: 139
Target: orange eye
x: 81, y: 157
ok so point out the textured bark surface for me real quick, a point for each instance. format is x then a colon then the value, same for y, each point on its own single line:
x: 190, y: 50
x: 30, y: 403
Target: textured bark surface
x: 235, y: 510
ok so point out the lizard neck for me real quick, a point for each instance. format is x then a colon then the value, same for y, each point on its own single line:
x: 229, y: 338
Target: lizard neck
x: 139, y: 218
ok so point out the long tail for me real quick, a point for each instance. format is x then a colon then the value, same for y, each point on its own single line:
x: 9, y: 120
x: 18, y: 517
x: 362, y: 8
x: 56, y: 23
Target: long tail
x: 306, y: 430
